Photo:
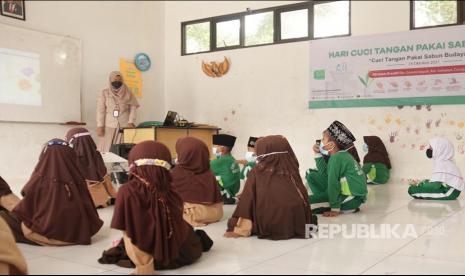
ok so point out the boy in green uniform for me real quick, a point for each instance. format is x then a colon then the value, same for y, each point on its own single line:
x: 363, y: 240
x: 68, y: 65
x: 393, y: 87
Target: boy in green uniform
x: 376, y: 163
x: 346, y: 188
x: 225, y: 167
x: 317, y: 179
x: 250, y: 160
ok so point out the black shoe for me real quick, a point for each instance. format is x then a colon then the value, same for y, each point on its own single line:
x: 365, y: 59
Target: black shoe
x: 229, y: 200
x: 207, y: 243
x: 4, y: 188
x: 315, y: 220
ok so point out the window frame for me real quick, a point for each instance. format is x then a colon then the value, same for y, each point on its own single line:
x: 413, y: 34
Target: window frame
x: 277, y: 10
x: 460, y: 17
x: 278, y: 22
x: 214, y: 33
x: 183, y: 35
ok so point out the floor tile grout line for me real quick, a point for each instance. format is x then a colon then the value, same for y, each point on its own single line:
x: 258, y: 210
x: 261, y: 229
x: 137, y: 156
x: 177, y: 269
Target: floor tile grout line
x: 74, y: 262
x: 285, y: 253
x: 280, y: 255
x: 402, y: 247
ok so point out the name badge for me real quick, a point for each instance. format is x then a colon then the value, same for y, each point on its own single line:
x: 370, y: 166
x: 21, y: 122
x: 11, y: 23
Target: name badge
x: 116, y: 113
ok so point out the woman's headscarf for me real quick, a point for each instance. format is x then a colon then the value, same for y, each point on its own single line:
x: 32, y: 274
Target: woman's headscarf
x: 56, y: 202
x: 275, y: 198
x: 147, y: 208
x: 89, y: 158
x: 377, y: 152
x: 123, y: 94
x: 192, y: 177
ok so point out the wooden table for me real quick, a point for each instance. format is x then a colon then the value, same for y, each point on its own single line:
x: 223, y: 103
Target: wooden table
x: 169, y: 135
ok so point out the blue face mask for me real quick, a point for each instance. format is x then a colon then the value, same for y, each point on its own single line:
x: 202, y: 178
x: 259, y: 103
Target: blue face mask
x: 322, y: 149
x: 365, y: 148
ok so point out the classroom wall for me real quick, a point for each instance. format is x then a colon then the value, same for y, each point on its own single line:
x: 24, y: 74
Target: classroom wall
x: 266, y: 91
x: 108, y: 30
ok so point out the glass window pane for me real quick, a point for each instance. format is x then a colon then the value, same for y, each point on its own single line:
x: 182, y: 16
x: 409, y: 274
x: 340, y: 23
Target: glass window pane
x: 294, y: 24
x: 332, y: 19
x: 198, y: 37
x: 434, y: 13
x: 259, y: 29
x: 228, y: 33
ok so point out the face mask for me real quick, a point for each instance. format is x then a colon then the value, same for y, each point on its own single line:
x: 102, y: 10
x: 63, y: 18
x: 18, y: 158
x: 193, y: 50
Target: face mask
x: 365, y: 148
x: 323, y: 151
x: 216, y: 153
x: 251, y: 157
x: 429, y: 153
x: 117, y: 84
x: 261, y: 157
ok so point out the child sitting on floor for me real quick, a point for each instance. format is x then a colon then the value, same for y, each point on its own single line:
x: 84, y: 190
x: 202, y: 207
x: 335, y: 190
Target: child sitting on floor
x: 225, y: 167
x: 447, y: 181
x: 250, y: 160
x: 346, y: 189
x: 376, y: 163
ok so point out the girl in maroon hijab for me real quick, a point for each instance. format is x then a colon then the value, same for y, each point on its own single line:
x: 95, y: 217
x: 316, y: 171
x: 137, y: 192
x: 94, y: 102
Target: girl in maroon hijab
x: 196, y: 183
x: 56, y: 208
x: 92, y: 165
x: 150, y: 213
x: 274, y: 204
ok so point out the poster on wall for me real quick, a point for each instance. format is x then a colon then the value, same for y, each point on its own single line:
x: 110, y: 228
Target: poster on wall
x: 132, y: 76
x: 406, y: 68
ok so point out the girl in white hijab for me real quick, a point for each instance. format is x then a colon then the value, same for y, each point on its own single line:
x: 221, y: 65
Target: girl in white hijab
x: 447, y: 181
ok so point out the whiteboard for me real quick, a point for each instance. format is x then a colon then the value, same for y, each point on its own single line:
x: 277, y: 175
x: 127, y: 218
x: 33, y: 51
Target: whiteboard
x: 40, y: 76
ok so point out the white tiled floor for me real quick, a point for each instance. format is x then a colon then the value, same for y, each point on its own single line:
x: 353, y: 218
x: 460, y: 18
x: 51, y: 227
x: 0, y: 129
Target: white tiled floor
x: 429, y: 253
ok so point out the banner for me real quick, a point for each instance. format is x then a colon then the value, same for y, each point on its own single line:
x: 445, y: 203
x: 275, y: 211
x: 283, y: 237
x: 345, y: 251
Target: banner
x: 132, y: 77
x: 407, y: 68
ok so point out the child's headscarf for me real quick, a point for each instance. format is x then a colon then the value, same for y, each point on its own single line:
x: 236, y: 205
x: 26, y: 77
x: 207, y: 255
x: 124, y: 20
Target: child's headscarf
x: 445, y: 170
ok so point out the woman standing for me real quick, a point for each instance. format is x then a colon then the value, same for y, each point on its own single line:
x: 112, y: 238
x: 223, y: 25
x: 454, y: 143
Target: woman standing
x: 116, y: 108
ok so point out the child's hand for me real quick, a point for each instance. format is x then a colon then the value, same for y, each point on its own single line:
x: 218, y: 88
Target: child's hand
x: 331, y: 214
x: 242, y: 162
x: 414, y: 182
x: 316, y: 149
x: 230, y: 235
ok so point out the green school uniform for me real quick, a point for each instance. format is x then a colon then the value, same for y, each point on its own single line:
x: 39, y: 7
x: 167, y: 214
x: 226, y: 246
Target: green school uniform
x: 427, y: 190
x: 317, y: 180
x: 376, y: 173
x: 246, y: 169
x: 227, y: 173
x: 347, y: 187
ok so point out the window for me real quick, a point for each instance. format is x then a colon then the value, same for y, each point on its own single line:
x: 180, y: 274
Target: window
x: 283, y: 24
x: 197, y: 38
x: 294, y: 24
x: 331, y: 19
x: 228, y: 33
x: 259, y: 29
x: 434, y: 13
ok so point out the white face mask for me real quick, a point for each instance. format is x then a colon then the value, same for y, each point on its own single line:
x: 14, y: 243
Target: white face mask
x: 216, y: 152
x: 261, y: 157
x: 251, y: 157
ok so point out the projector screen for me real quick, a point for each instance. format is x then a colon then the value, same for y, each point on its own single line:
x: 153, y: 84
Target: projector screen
x: 20, y: 78
x: 40, y: 76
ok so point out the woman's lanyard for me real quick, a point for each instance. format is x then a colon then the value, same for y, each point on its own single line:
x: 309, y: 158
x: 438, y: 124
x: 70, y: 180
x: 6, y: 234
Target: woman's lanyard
x: 116, y: 111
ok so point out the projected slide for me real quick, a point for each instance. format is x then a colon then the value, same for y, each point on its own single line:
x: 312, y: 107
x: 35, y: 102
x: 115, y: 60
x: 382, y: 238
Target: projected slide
x: 20, y: 78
